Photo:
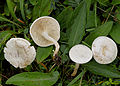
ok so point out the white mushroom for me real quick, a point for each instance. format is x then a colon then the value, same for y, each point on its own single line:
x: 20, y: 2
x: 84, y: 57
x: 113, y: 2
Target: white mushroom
x: 80, y: 54
x: 19, y: 53
x: 45, y: 31
x: 104, y: 50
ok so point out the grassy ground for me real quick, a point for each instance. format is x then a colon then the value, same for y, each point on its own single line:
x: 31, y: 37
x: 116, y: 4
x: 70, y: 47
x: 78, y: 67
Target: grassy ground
x: 87, y: 18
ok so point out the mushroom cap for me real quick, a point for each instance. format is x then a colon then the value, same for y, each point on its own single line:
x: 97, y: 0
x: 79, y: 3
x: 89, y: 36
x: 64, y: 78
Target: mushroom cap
x: 80, y: 54
x: 48, y: 25
x: 104, y: 50
x: 19, y: 53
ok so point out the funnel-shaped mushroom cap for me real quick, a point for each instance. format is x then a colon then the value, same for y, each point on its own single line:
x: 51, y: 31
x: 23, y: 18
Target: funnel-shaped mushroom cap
x: 19, y: 53
x: 104, y: 50
x: 47, y: 25
x: 80, y: 54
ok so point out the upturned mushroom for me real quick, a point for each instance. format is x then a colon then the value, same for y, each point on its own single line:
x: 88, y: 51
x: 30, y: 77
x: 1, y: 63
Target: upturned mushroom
x: 45, y: 31
x: 80, y: 54
x: 19, y: 53
x: 104, y: 50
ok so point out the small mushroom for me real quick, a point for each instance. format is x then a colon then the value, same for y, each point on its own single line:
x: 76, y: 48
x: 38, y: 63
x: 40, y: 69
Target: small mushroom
x: 19, y: 53
x: 80, y: 54
x: 45, y: 31
x: 104, y: 50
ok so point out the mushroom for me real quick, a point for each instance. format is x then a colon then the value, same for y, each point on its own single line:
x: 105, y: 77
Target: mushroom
x: 104, y: 50
x: 80, y: 54
x: 45, y: 31
x: 19, y: 53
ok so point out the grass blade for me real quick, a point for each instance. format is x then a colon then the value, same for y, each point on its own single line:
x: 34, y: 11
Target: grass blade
x: 22, y: 8
x: 10, y: 5
x: 76, y: 78
x: 7, y: 20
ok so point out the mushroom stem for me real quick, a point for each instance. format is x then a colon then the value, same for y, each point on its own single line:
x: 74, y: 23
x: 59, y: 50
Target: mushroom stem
x: 75, y: 69
x: 44, y: 34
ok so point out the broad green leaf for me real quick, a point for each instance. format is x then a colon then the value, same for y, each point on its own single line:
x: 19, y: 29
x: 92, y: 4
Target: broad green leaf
x: 64, y: 18
x: 4, y: 35
x: 115, y: 2
x: 34, y: 79
x: 101, y: 69
x: 78, y: 25
x: 43, y: 8
x: 22, y: 8
x: 88, y: 2
x: 11, y: 5
x: 76, y: 30
x: 43, y: 53
x: 102, y: 30
x: 117, y: 13
x: 115, y: 33
x: 76, y: 78
x: 91, y: 20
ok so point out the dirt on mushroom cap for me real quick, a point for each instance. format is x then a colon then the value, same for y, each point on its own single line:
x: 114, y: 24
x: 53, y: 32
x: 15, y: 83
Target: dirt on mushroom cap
x: 104, y: 50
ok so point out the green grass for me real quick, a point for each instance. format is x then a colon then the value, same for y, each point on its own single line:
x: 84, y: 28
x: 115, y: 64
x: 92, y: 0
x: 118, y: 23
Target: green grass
x: 81, y: 21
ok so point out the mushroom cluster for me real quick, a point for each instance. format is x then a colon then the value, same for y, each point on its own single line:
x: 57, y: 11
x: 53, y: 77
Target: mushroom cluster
x: 19, y: 53
x: 45, y: 31
x: 104, y: 51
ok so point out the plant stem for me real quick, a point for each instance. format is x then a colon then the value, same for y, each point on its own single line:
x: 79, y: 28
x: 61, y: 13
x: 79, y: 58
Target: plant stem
x: 75, y: 69
x: 109, y: 13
